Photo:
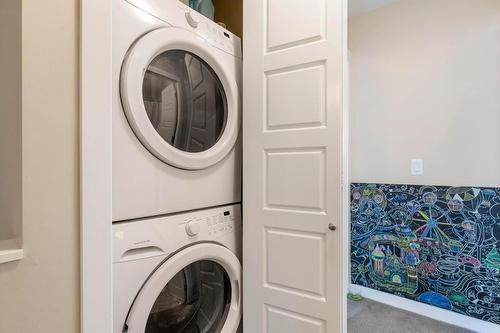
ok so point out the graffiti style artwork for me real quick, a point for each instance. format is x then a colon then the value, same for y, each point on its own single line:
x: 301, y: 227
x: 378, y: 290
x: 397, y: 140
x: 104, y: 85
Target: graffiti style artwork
x: 433, y: 244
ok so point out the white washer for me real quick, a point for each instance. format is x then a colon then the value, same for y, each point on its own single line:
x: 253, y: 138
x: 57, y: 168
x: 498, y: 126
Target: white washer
x: 176, y: 110
x: 179, y: 273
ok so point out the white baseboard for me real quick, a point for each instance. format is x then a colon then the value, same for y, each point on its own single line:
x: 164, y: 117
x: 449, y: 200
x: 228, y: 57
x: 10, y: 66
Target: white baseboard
x: 433, y: 312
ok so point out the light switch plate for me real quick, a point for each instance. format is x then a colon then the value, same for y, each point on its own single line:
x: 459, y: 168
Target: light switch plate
x: 417, y: 167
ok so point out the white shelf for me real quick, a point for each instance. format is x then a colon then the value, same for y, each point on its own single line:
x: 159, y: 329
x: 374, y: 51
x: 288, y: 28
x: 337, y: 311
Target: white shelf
x: 11, y: 255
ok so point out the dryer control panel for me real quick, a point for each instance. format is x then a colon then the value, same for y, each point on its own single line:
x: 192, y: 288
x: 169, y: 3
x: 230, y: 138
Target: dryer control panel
x: 176, y: 13
x: 220, y: 37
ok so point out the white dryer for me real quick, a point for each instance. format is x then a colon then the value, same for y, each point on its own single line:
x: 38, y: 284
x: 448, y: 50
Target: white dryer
x: 176, y: 110
x: 178, y: 273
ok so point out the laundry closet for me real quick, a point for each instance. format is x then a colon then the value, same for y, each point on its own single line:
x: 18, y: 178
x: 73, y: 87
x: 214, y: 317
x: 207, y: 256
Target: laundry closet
x: 177, y: 161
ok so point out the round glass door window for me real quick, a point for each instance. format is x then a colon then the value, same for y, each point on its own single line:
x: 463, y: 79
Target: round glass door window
x: 184, y: 101
x: 196, y: 300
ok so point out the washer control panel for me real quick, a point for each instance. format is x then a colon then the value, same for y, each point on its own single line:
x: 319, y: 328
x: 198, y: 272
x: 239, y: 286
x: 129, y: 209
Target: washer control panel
x: 166, y: 234
x: 223, y: 221
x: 213, y: 223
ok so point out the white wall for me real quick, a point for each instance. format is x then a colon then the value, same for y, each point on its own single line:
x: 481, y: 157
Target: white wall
x: 10, y: 121
x: 359, y: 7
x: 425, y: 83
x: 40, y: 293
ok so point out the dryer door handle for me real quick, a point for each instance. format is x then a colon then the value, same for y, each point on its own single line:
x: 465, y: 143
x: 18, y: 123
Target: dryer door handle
x: 142, y: 253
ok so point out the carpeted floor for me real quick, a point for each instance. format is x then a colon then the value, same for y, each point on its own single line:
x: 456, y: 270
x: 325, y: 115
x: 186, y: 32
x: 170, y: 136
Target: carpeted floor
x: 371, y: 317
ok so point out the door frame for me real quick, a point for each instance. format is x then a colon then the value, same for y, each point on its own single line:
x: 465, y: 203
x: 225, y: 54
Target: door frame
x: 96, y: 293
x: 96, y: 289
x: 346, y: 235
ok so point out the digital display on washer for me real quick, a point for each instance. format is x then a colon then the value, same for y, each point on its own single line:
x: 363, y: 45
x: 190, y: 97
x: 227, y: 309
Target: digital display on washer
x: 196, y: 300
x: 185, y: 101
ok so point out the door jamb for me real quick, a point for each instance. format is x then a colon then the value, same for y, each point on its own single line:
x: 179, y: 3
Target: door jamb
x: 345, y: 163
x: 96, y: 296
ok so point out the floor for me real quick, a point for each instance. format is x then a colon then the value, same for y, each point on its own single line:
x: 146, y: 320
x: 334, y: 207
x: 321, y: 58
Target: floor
x: 371, y: 317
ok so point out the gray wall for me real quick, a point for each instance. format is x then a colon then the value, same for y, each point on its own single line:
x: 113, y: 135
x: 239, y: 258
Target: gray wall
x: 10, y: 120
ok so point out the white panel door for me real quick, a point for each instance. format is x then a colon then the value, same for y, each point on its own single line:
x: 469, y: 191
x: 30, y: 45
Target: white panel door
x: 292, y: 130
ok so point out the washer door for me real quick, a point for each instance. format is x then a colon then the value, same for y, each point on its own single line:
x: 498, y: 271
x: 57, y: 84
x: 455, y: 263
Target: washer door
x: 179, y: 99
x: 195, y: 291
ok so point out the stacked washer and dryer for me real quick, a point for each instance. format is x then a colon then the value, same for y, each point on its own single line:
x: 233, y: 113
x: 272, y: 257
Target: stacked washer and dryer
x: 176, y: 170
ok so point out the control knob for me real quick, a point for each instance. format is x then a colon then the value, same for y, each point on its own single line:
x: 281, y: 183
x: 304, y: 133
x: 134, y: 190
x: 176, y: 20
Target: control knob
x: 191, y: 21
x: 193, y: 228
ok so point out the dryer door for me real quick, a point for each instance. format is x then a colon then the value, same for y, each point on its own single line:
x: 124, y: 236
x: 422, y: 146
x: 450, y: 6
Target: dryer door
x: 180, y: 99
x: 197, y: 290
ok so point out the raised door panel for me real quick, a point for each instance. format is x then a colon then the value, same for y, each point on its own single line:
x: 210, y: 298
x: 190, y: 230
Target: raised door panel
x: 279, y: 320
x: 291, y: 23
x: 296, y: 97
x: 285, y: 249
x: 295, y: 179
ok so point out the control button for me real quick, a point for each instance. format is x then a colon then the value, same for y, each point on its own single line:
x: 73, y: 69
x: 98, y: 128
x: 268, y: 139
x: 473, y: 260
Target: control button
x: 193, y: 228
x: 191, y: 21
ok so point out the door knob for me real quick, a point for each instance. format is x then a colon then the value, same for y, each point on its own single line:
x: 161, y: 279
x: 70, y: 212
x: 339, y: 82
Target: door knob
x: 332, y: 227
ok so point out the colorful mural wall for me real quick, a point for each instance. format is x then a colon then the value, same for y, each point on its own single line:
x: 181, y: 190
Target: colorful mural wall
x: 433, y: 244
